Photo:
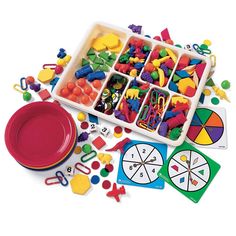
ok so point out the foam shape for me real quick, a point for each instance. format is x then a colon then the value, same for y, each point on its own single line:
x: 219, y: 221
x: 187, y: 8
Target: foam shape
x: 173, y: 86
x: 80, y: 184
x: 98, y: 44
x: 176, y: 78
x: 46, y: 75
x: 105, y: 158
x: 165, y: 34
x: 184, y: 61
x: 116, y: 49
x: 190, y: 92
x: 84, y: 62
x: 182, y: 73
x: 99, y: 142
x: 110, y: 40
x: 184, y: 84
x: 200, y: 69
x: 210, y: 82
x: 195, y: 78
x: 90, y: 52
x: 44, y: 94
x: 174, y: 100
x: 195, y: 61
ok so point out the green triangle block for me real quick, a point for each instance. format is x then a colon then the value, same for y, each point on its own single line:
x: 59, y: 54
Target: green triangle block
x: 110, y: 62
x: 90, y: 52
x: 203, y: 114
x: 98, y: 61
x: 95, y: 66
x: 210, y: 82
x: 92, y: 57
x: 104, y: 68
x: 104, y: 55
x: 112, y: 56
x: 85, y: 62
x: 176, y: 78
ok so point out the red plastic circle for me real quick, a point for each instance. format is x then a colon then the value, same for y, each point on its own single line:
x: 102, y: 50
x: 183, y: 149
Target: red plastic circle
x: 40, y: 135
x: 84, y: 125
x: 109, y: 167
x: 106, y: 184
x: 118, y: 129
x: 95, y: 165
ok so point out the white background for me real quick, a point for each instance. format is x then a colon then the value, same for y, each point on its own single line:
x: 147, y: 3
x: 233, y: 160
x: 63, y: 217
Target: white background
x: 31, y: 32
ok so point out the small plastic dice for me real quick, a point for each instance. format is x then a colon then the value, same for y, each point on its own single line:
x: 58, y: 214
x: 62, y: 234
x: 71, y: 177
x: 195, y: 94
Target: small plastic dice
x: 104, y: 130
x: 92, y: 127
x: 70, y: 170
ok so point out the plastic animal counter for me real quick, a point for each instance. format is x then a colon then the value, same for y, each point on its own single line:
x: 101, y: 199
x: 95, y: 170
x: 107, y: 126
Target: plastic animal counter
x: 136, y: 82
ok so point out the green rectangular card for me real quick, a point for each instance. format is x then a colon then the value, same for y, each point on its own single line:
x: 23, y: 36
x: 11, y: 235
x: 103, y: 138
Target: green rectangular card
x: 189, y: 171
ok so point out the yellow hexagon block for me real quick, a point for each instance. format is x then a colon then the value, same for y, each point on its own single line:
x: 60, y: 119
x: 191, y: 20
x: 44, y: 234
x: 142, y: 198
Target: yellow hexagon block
x: 80, y: 184
x: 98, y: 44
x: 116, y: 49
x: 46, y: 75
x: 111, y: 40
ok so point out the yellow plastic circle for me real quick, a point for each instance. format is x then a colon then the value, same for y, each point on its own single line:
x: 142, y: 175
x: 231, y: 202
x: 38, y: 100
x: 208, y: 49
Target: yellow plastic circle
x: 118, y: 135
x: 207, y: 92
x: 207, y: 42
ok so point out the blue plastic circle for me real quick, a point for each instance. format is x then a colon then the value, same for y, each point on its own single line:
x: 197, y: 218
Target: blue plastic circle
x: 95, y: 179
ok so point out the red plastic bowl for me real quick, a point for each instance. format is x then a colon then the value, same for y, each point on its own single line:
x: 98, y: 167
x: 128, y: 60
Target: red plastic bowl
x: 40, y: 135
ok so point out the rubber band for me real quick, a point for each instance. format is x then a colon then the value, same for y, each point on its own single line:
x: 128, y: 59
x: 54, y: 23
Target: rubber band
x: 88, y: 170
x: 47, y: 181
x: 89, y: 156
x: 64, y: 182
x: 23, y: 84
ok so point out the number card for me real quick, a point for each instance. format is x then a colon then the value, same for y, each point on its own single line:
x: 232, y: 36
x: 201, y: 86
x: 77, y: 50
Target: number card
x: 140, y: 164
